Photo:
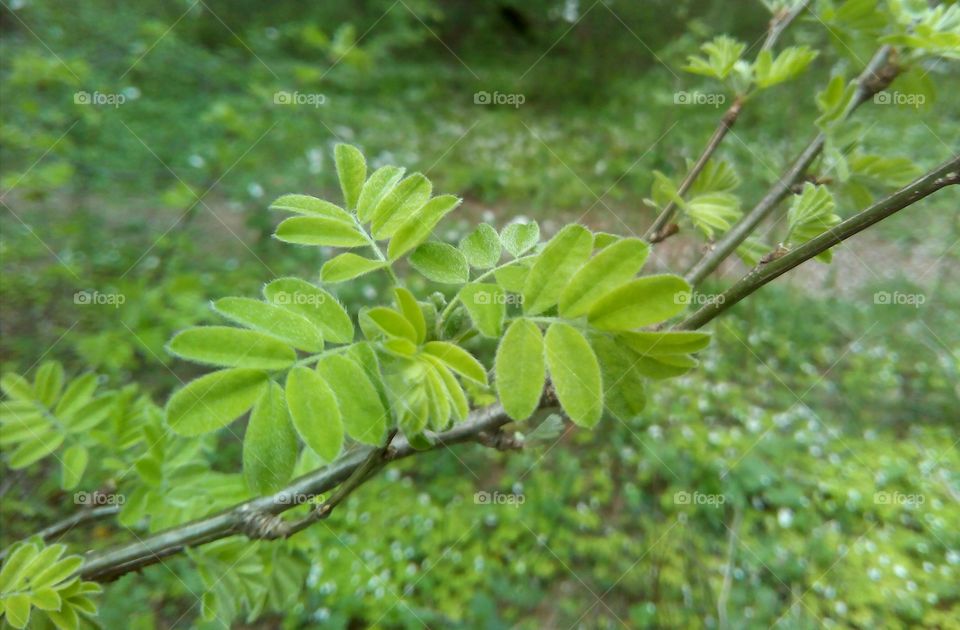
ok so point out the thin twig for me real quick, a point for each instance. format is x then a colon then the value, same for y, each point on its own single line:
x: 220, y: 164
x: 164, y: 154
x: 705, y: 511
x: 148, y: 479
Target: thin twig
x: 874, y: 78
x: 947, y: 174
x: 662, y: 228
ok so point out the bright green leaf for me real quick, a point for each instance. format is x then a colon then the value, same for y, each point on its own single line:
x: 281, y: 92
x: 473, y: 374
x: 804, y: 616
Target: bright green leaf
x: 487, y: 305
x: 520, y: 368
x: 320, y: 231
x: 482, y: 247
x: 317, y: 305
x: 214, y: 400
x: 270, y: 443
x: 273, y: 320
x: 348, y: 266
x: 363, y: 414
x: 640, y: 302
x: 554, y: 267
x: 519, y: 238
x: 419, y: 227
x: 575, y: 373
x: 351, y: 171
x: 610, y: 268
x: 224, y: 346
x: 316, y: 416
x: 458, y: 360
x: 441, y: 263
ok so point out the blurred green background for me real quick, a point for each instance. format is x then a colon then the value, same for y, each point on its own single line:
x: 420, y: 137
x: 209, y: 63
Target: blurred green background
x: 142, y: 142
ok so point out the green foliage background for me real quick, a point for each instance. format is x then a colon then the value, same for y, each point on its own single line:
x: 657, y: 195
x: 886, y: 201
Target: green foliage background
x: 813, y: 396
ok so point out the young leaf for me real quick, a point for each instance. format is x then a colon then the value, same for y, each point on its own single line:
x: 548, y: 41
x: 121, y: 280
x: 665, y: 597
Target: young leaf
x: 349, y: 266
x: 437, y: 397
x: 214, y: 400
x: 315, y: 304
x: 713, y: 211
x: 640, y: 302
x: 16, y: 387
x: 487, y: 305
x: 575, y: 373
x: 408, y: 306
x: 811, y: 214
x: 513, y: 276
x: 381, y: 182
x: 623, y: 391
x: 441, y: 263
x: 482, y: 247
x: 48, y: 382
x: 520, y: 369
x: 458, y: 360
x: 225, y: 346
x: 519, y: 238
x: 554, y: 267
x: 351, y: 171
x: 613, y: 266
x: 273, y: 320
x: 722, y: 53
x: 361, y: 409
x: 73, y: 465
x: 78, y: 393
x: 313, y: 207
x: 791, y: 61
x: 391, y: 323
x: 400, y: 204
x: 320, y: 231
x: 32, y: 450
x: 665, y: 366
x: 316, y: 416
x: 459, y: 404
x: 270, y: 444
x: 660, y: 343
x: 418, y: 227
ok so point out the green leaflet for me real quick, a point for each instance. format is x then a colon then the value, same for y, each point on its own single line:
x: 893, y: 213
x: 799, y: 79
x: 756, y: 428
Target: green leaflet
x: 391, y: 323
x: 487, y: 305
x: 513, y: 276
x: 16, y: 387
x: 602, y: 240
x: 623, y: 390
x: 613, y: 266
x: 640, y: 302
x: 481, y: 247
x: 363, y: 414
x: 660, y: 343
x: 47, y: 382
x: 407, y: 393
x: 270, y: 444
x: 554, y: 267
x: 419, y: 226
x: 381, y: 182
x: 311, y: 206
x: 437, y: 397
x: 315, y: 304
x: 520, y: 369
x: 78, y: 393
x: 273, y: 320
x: 575, y: 373
x: 459, y: 404
x: 441, y: 263
x: 35, y: 448
x: 366, y: 357
x: 73, y: 464
x: 665, y: 366
x: 408, y: 306
x: 313, y: 407
x: 791, y: 61
x: 224, y: 346
x: 458, y: 360
x: 348, y: 266
x: 214, y: 400
x: 320, y: 231
x: 722, y: 54
x: 90, y: 414
x: 351, y: 171
x: 399, y: 205
x: 518, y: 238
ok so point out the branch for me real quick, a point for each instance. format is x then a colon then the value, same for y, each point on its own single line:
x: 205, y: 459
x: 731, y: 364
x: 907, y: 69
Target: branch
x: 878, y: 74
x: 947, y: 174
x: 257, y: 518
x: 661, y: 228
x: 254, y: 518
